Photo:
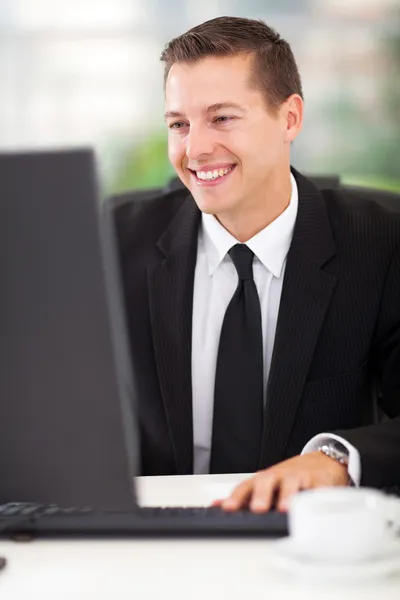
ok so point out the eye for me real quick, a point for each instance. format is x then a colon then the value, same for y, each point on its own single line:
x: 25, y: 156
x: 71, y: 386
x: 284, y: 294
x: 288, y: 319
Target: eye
x: 177, y: 125
x: 223, y: 119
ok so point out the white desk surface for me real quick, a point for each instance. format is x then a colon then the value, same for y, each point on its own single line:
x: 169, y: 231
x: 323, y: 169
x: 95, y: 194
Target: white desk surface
x: 165, y: 569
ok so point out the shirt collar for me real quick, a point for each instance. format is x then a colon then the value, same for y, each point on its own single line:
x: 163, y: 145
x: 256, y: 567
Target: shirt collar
x: 270, y: 245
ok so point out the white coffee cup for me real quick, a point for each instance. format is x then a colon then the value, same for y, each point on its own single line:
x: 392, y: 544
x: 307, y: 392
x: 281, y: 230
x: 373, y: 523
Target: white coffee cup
x: 343, y: 524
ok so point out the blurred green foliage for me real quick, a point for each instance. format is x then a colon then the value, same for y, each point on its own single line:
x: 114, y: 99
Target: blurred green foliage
x: 145, y: 165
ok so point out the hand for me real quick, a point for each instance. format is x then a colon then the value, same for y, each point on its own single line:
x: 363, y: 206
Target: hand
x: 273, y: 487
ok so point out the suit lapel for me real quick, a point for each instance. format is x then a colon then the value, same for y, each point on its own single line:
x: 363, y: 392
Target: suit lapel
x: 306, y: 295
x: 171, y: 299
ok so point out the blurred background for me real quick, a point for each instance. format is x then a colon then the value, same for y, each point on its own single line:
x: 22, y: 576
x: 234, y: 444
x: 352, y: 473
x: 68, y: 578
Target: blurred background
x: 87, y: 72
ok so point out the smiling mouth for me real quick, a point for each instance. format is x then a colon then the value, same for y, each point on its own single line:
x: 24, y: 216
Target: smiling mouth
x: 212, y: 176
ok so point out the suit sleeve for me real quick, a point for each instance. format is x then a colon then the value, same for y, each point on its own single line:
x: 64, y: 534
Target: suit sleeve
x: 379, y: 445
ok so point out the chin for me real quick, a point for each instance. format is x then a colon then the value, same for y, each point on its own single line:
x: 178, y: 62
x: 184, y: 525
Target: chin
x: 211, y: 208
x: 206, y: 207
x: 212, y: 203
x: 208, y: 210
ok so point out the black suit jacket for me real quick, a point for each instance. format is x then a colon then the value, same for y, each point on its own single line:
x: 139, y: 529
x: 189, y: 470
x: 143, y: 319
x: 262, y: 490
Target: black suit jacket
x: 337, y: 344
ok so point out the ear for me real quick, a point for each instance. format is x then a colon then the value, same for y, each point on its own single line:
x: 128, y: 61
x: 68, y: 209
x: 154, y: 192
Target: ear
x: 293, y: 117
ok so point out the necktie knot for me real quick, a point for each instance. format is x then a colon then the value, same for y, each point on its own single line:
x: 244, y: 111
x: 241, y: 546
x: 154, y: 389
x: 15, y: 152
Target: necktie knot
x: 242, y: 258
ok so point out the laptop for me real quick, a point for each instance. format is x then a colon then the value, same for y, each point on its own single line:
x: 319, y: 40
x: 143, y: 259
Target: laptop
x: 69, y: 448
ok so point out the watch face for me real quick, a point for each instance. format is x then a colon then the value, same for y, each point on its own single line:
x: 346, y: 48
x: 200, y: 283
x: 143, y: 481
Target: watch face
x: 342, y: 455
x: 340, y: 448
x: 332, y: 451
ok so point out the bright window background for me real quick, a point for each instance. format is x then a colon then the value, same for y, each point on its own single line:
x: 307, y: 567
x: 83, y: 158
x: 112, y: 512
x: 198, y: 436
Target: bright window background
x: 87, y: 72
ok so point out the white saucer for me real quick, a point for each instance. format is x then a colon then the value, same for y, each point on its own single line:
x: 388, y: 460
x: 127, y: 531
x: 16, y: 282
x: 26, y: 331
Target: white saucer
x: 287, y: 558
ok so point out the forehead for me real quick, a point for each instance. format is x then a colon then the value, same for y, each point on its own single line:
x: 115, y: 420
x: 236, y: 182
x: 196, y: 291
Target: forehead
x: 209, y: 81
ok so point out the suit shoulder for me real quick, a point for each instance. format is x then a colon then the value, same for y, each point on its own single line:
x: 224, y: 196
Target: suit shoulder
x: 364, y: 214
x: 141, y: 216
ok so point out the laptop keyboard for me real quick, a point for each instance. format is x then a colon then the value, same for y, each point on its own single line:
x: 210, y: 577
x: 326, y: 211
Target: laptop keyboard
x: 17, y: 510
x: 51, y: 520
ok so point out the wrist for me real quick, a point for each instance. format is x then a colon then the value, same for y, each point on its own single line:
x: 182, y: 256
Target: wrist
x: 337, y: 453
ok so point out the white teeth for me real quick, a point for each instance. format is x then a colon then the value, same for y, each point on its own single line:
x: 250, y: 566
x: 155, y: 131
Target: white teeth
x: 208, y: 175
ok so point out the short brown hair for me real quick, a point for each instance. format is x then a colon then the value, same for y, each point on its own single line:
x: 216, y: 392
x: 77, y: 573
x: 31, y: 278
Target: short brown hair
x: 275, y: 70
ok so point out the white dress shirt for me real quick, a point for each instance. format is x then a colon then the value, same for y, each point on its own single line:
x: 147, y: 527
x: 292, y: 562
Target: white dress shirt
x: 215, y: 282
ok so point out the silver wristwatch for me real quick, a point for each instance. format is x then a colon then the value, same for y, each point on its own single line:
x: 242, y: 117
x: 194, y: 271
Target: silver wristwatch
x: 336, y: 451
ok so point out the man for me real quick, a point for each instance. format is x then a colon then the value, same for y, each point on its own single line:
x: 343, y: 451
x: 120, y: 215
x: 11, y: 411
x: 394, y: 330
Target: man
x: 264, y: 316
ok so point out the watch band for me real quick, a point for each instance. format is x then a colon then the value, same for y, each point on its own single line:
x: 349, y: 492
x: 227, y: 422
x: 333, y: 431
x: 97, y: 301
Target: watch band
x: 332, y: 450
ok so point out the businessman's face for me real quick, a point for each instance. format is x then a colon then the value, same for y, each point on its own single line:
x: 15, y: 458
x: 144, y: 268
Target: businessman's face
x: 225, y: 144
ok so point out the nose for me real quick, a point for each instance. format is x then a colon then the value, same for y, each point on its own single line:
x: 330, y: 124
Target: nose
x: 199, y: 142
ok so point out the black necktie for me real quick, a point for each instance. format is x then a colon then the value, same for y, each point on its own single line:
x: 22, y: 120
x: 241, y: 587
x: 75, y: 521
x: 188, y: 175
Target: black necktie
x: 238, y: 397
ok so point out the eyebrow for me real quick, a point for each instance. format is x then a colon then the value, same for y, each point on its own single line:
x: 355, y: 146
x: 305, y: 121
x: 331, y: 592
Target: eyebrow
x: 224, y: 105
x: 211, y: 109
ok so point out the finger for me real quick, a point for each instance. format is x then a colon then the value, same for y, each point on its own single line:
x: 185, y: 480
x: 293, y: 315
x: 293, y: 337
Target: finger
x: 240, y: 496
x: 218, y: 502
x: 288, y: 487
x: 263, y: 492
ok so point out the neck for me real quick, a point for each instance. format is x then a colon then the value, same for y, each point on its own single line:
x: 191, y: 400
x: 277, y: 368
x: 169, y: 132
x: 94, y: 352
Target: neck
x: 254, y: 216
